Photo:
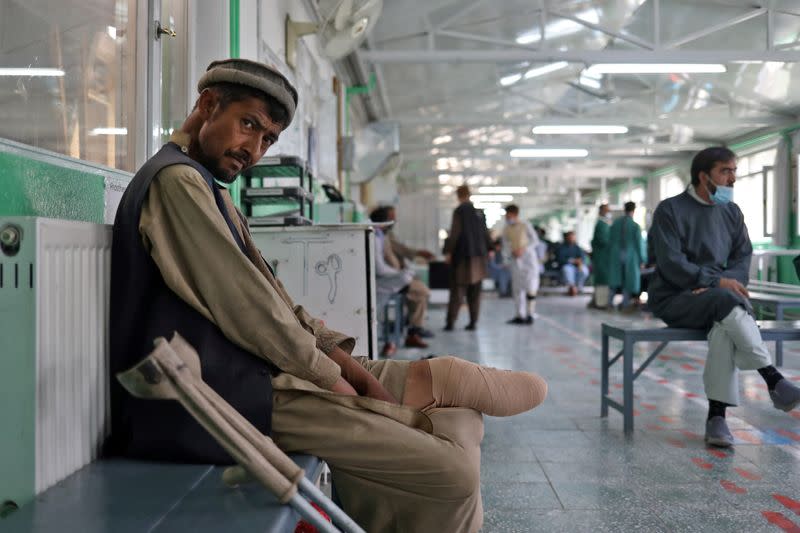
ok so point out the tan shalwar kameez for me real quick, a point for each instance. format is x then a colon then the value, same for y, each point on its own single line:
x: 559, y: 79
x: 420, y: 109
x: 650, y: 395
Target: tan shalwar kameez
x: 395, y: 253
x: 395, y: 468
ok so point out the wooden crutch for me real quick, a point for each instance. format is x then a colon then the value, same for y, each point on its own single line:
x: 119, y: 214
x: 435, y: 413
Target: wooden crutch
x: 172, y: 371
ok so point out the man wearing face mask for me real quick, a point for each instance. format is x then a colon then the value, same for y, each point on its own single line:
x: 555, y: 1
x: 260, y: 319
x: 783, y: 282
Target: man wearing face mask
x: 703, y: 258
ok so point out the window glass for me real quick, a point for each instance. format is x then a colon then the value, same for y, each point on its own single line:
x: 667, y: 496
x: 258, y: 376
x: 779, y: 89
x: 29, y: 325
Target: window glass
x: 174, y: 67
x: 671, y: 185
x: 72, y: 87
x: 637, y: 195
x: 769, y: 200
x: 759, y: 160
x: 749, y: 195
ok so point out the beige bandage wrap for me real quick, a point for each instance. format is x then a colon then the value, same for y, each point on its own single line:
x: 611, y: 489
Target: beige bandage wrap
x: 459, y: 383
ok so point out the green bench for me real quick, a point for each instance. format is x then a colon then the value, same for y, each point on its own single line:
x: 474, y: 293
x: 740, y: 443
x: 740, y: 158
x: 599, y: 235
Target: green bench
x: 631, y: 333
x: 120, y: 495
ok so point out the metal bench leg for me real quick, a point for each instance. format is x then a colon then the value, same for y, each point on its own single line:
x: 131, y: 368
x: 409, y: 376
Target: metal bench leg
x: 627, y: 384
x: 604, y: 378
x: 398, y: 320
x: 779, y: 344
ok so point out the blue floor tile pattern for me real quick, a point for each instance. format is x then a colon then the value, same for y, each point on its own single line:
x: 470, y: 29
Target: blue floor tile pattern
x: 563, y: 468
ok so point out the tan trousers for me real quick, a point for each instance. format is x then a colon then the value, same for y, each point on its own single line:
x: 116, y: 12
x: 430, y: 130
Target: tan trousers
x: 417, y: 299
x: 395, y: 469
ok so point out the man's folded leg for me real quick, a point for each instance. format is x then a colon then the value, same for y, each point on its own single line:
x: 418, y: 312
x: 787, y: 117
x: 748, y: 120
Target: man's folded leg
x: 388, y: 475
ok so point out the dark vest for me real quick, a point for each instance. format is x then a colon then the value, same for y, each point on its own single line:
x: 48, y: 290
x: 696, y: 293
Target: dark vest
x: 143, y: 308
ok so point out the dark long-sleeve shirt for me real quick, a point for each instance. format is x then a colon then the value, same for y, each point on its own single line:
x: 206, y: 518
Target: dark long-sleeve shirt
x: 565, y: 252
x: 695, y: 245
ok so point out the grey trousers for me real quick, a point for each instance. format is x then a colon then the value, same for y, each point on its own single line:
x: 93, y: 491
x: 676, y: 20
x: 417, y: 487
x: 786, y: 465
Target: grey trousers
x: 734, y: 344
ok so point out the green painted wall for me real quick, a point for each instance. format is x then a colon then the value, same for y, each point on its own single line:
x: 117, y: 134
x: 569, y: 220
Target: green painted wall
x: 41, y: 183
x: 35, y: 188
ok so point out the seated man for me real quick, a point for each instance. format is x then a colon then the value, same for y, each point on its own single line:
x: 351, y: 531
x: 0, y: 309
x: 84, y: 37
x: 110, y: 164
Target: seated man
x: 401, y: 437
x: 397, y: 255
x: 572, y: 261
x: 391, y: 279
x: 702, y: 255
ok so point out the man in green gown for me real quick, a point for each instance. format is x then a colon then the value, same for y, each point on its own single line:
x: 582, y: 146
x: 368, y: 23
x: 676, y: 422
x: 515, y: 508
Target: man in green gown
x: 626, y: 255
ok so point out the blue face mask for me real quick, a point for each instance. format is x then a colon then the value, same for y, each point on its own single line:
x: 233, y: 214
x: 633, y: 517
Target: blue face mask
x: 722, y: 195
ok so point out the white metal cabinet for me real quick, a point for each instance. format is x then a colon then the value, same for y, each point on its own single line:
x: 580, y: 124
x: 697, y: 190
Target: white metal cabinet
x: 329, y: 270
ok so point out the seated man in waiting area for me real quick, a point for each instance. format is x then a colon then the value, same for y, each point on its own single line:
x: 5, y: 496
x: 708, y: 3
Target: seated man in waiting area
x: 702, y: 255
x: 572, y: 261
x: 401, y: 437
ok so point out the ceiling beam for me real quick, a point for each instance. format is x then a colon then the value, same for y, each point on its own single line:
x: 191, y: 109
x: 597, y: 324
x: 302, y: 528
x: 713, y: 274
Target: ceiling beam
x: 674, y: 147
x: 556, y: 172
x: 715, y: 28
x: 618, y: 35
x: 421, y: 56
x: 695, y: 119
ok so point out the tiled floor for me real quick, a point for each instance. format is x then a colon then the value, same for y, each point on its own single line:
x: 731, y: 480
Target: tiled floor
x: 563, y: 468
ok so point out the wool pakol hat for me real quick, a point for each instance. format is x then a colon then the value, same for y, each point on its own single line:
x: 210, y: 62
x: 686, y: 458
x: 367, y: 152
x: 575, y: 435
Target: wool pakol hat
x: 252, y: 74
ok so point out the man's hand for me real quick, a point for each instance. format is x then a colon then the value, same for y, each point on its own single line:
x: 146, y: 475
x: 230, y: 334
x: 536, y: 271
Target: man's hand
x: 735, y: 286
x: 518, y: 252
x: 447, y: 259
x: 343, y: 387
x: 425, y: 254
x: 361, y: 382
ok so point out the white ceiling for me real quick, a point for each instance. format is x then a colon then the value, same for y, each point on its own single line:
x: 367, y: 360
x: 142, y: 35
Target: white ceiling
x: 439, y: 64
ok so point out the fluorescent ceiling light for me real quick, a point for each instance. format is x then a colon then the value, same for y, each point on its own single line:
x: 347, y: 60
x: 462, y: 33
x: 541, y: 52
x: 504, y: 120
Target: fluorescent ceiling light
x: 491, y: 198
x: 549, y: 152
x: 502, y: 190
x: 442, y: 139
x: 578, y: 129
x: 656, y: 68
x: 510, y: 80
x: 109, y: 131
x: 112, y: 32
x: 490, y: 206
x: 31, y: 72
x: 540, y: 71
x: 559, y: 28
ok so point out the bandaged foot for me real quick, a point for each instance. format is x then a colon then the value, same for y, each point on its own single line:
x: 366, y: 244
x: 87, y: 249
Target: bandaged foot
x: 459, y: 383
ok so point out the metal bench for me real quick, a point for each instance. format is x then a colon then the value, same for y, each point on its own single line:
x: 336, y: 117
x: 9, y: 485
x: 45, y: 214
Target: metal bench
x: 779, y: 302
x: 632, y: 332
x: 123, y: 495
x: 393, y: 319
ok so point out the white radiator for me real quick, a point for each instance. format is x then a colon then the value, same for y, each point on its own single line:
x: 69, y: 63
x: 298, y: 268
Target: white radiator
x: 61, y: 274
x: 73, y: 273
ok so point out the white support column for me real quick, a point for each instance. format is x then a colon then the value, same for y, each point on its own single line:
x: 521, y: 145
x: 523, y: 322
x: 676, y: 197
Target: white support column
x: 543, y: 25
x: 770, y: 25
x: 656, y: 24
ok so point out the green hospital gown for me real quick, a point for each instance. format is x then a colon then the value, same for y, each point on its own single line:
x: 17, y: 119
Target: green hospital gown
x: 625, y: 236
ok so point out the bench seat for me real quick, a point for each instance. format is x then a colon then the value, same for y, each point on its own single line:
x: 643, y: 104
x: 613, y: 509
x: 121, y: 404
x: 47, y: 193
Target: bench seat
x: 122, y: 496
x: 630, y: 333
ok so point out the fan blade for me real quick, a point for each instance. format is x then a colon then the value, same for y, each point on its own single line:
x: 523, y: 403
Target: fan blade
x: 370, y: 9
x: 342, y: 14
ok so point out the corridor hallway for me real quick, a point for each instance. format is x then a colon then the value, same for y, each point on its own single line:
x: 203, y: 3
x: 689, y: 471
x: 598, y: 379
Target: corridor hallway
x: 563, y: 468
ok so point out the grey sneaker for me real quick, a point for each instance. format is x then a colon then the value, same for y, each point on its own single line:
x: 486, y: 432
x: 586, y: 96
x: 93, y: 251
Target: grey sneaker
x: 786, y: 396
x: 717, y: 432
